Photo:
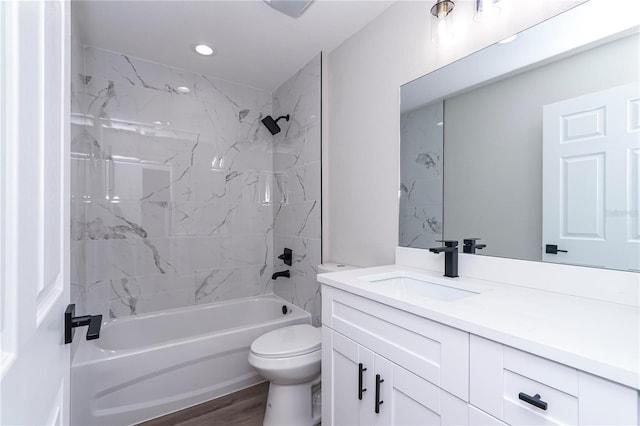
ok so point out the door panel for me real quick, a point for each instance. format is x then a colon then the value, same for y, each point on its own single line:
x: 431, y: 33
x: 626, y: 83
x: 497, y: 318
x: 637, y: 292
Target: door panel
x: 34, y: 204
x: 634, y: 195
x: 584, y: 212
x: 590, y: 179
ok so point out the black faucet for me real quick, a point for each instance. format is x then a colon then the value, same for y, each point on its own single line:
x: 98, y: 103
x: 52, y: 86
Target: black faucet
x: 470, y: 245
x: 280, y: 274
x: 450, y: 250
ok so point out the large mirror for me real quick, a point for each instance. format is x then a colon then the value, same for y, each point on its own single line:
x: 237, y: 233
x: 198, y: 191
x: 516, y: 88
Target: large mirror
x: 532, y: 146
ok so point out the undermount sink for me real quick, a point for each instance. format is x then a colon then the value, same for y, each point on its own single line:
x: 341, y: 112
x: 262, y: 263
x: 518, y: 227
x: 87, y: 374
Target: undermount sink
x: 403, y: 284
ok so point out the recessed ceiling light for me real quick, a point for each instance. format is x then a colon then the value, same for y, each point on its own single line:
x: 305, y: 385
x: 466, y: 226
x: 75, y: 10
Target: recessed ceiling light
x: 183, y: 89
x: 205, y: 50
x: 508, y: 39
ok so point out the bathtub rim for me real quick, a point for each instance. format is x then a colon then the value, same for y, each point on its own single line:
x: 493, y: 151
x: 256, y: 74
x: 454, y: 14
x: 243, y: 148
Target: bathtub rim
x: 89, y: 352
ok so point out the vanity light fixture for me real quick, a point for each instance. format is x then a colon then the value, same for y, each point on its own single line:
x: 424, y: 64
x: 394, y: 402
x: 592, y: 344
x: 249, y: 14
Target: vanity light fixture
x: 204, y: 49
x: 486, y: 10
x: 442, y: 22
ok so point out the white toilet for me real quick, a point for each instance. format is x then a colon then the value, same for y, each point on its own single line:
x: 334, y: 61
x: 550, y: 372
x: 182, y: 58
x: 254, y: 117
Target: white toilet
x: 289, y: 358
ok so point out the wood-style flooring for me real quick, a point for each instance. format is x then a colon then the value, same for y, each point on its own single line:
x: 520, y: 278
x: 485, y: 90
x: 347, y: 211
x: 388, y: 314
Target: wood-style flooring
x: 242, y: 408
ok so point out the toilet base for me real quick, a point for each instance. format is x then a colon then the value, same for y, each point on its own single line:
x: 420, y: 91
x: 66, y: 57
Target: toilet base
x: 291, y: 405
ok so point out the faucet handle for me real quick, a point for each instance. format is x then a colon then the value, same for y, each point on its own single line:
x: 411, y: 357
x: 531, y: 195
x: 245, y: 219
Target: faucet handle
x: 448, y: 243
x: 470, y: 245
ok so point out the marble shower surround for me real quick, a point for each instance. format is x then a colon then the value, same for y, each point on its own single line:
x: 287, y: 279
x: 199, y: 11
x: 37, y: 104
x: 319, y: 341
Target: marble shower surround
x: 297, y: 190
x: 170, y: 190
x: 421, y: 172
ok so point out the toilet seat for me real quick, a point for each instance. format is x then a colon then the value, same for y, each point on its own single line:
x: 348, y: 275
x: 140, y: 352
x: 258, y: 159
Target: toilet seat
x: 285, y: 342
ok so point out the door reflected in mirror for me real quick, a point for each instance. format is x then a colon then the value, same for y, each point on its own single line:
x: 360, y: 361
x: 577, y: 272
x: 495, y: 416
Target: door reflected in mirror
x: 545, y: 156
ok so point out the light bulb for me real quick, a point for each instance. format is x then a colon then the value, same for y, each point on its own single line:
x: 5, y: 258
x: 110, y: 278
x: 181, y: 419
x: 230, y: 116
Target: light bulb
x: 204, y: 49
x: 442, y: 23
x: 486, y: 10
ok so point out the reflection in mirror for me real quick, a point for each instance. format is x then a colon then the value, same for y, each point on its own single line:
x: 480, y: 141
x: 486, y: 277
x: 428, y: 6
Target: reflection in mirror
x: 421, y: 132
x: 542, y: 164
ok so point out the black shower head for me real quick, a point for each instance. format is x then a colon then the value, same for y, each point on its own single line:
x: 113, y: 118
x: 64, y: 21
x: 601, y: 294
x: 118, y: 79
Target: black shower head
x: 272, y: 124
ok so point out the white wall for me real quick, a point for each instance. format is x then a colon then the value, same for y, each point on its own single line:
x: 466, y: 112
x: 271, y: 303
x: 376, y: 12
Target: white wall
x: 365, y: 74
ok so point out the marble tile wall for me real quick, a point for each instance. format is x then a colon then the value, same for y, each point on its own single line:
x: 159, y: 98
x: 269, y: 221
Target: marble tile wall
x: 296, y: 165
x: 78, y: 296
x: 171, y: 191
x: 421, y: 190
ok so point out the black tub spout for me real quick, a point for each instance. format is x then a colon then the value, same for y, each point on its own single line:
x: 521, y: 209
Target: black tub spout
x: 280, y: 274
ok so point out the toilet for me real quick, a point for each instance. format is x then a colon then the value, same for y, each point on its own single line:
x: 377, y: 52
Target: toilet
x: 289, y: 358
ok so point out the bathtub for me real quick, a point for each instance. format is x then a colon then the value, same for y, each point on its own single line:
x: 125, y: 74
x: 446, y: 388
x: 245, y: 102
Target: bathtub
x: 149, y: 365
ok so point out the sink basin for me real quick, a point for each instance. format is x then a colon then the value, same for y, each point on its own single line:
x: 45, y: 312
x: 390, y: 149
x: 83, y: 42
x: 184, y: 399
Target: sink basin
x: 406, y: 285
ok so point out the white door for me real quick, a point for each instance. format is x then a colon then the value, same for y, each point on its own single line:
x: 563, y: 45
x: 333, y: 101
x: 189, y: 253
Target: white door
x: 591, y: 179
x: 34, y: 212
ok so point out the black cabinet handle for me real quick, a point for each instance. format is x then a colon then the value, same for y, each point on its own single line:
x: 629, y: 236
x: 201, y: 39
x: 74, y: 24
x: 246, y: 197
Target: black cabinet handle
x: 360, y: 389
x: 378, y: 402
x: 533, y: 400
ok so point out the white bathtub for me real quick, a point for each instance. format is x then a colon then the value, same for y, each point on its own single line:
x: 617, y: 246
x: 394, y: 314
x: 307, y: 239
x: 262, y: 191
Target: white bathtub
x: 149, y: 365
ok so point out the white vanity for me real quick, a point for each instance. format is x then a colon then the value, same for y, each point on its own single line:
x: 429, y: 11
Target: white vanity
x: 404, y: 345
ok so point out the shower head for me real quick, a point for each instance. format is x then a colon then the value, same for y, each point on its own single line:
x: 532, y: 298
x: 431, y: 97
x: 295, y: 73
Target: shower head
x: 272, y: 124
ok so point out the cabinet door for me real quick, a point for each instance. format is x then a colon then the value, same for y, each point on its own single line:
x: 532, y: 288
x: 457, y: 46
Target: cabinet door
x: 352, y: 384
x: 408, y: 399
x: 344, y: 386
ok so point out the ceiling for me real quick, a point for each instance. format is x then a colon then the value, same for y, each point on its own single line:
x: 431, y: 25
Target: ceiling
x: 257, y: 45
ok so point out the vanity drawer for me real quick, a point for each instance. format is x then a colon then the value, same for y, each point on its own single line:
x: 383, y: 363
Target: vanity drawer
x: 433, y: 351
x: 499, y: 374
x: 561, y: 407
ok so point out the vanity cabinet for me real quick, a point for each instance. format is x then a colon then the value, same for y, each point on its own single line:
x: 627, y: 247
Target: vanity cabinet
x: 368, y: 389
x: 384, y: 366
x: 430, y: 373
x: 521, y: 388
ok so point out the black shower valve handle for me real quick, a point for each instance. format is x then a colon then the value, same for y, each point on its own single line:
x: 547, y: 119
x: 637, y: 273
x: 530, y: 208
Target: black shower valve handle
x: 287, y: 256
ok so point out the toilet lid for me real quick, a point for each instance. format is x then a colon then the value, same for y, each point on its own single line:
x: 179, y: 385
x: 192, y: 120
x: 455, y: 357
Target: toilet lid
x: 288, y: 341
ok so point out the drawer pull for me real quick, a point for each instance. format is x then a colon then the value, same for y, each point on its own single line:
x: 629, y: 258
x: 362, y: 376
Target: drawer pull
x: 378, y: 402
x: 533, y: 400
x: 360, y: 389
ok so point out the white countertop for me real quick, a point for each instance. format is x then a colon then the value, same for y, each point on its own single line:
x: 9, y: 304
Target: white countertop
x: 601, y: 338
